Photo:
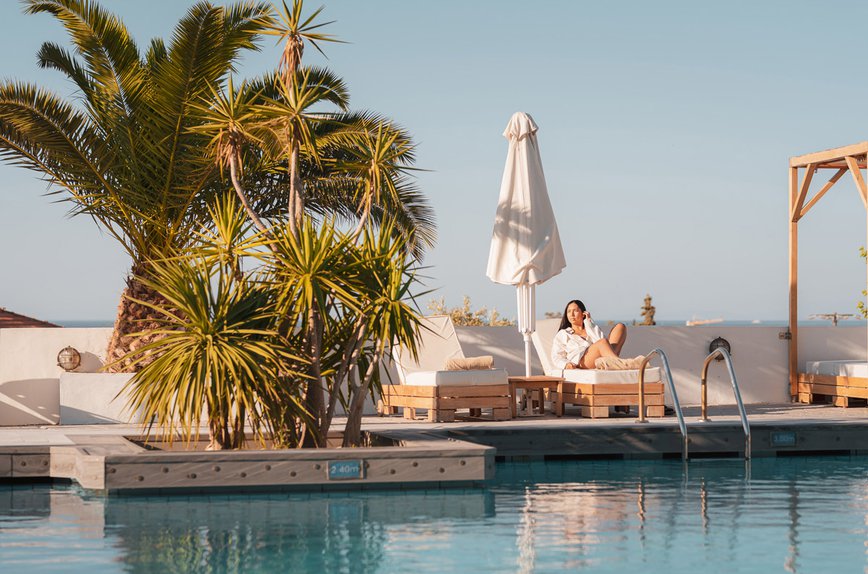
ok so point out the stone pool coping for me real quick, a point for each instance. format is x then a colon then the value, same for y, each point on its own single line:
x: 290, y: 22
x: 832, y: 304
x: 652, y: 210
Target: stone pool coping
x: 113, y: 464
x: 425, y: 454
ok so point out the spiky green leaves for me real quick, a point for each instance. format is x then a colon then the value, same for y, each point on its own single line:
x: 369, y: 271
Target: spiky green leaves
x: 219, y: 357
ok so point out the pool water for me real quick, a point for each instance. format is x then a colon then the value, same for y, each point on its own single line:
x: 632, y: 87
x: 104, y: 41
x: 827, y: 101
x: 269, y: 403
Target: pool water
x: 777, y: 515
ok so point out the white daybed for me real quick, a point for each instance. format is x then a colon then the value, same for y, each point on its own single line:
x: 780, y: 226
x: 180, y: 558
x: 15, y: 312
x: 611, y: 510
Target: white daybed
x: 838, y: 381
x: 595, y: 390
x: 425, y: 384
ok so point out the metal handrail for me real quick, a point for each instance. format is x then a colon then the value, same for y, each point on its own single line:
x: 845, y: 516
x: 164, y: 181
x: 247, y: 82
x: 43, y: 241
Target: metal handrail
x: 681, y: 424
x: 704, y: 394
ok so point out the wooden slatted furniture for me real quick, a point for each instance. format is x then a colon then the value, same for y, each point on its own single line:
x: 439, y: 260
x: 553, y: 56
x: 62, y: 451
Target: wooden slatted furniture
x: 596, y: 399
x: 539, y: 384
x: 595, y: 391
x: 425, y: 386
x: 843, y: 383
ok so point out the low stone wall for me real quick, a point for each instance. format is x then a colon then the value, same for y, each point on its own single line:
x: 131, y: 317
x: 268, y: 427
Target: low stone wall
x: 29, y: 375
x: 759, y: 355
x: 94, y: 398
x: 31, y: 393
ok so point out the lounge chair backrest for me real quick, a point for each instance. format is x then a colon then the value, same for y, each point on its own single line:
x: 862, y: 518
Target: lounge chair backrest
x: 542, y: 339
x: 437, y: 343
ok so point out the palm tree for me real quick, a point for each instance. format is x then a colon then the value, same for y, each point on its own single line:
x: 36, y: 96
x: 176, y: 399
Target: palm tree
x: 126, y: 156
x: 294, y: 30
x: 230, y: 116
x: 292, y: 118
x: 379, y: 160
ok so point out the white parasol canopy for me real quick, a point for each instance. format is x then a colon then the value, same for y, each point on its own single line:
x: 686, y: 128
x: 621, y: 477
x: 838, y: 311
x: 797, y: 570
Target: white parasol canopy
x: 525, y: 245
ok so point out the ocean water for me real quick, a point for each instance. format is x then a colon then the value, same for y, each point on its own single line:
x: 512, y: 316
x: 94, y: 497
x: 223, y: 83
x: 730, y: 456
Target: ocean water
x: 773, y: 515
x: 675, y: 323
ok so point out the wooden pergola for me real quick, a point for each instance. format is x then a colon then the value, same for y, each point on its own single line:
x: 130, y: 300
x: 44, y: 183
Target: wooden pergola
x: 852, y: 158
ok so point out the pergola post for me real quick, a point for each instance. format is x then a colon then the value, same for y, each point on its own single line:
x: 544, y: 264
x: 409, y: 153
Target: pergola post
x: 793, y: 322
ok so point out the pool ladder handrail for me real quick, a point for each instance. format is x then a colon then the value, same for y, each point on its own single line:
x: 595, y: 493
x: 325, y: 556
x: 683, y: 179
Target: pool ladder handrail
x: 681, y: 424
x: 724, y: 354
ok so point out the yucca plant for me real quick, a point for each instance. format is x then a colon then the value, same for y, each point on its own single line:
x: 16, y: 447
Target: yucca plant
x: 312, y: 271
x: 346, y: 302
x: 219, y: 355
x: 388, y: 313
x: 299, y: 91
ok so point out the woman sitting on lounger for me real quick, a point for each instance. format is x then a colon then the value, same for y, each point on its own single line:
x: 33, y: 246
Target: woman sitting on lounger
x: 580, y: 343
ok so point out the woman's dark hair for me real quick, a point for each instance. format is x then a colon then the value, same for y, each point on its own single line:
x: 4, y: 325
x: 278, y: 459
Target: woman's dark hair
x: 566, y: 322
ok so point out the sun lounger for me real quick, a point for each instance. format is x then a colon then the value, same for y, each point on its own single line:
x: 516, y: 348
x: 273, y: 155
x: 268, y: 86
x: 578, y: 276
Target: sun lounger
x: 596, y: 391
x: 843, y: 383
x: 426, y: 384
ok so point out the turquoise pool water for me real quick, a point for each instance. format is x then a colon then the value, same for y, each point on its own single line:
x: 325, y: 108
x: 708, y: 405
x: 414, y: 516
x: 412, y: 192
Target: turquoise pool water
x: 781, y: 515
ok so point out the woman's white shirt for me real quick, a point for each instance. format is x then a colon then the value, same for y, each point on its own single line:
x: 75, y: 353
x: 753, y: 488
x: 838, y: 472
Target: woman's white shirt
x: 568, y: 347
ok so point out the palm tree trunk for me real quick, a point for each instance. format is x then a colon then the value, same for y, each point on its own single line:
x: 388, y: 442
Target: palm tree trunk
x: 296, y: 202
x: 366, y: 213
x: 133, y: 317
x: 351, y: 356
x: 314, y: 396
x: 353, y: 428
x: 254, y: 217
x: 238, y: 428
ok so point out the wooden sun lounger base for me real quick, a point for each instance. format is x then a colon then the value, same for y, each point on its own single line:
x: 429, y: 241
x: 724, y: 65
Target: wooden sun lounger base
x: 443, y: 402
x: 596, y: 400
x: 840, y: 391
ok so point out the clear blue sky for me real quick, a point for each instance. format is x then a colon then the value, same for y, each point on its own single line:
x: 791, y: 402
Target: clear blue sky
x: 665, y: 130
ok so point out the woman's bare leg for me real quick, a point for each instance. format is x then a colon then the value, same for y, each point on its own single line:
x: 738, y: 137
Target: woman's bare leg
x: 610, y: 347
x: 617, y: 337
x: 601, y: 348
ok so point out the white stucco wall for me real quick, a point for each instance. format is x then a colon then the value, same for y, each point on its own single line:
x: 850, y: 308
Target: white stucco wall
x: 759, y: 356
x: 29, y: 375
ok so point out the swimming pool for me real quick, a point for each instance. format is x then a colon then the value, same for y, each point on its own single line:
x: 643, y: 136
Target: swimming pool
x: 781, y: 515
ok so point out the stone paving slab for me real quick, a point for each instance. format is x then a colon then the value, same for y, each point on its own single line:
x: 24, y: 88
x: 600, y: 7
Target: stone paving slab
x: 44, y: 436
x: 97, y: 456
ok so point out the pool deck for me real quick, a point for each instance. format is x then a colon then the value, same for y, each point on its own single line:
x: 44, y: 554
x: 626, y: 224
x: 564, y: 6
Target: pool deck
x: 429, y: 454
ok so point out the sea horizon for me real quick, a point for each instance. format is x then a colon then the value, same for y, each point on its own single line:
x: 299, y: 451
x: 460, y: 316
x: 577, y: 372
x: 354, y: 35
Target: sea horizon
x: 101, y: 323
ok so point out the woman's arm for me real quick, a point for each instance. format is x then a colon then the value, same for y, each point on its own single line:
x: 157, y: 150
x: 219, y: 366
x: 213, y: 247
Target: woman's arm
x: 559, y: 350
x: 593, y: 330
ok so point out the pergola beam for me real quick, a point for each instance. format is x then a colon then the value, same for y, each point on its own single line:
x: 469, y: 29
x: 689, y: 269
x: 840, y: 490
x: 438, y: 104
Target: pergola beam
x: 832, y: 181
x: 857, y: 177
x: 803, y: 192
x: 821, y: 158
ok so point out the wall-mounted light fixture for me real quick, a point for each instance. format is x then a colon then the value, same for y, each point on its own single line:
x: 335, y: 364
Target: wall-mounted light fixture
x: 68, y: 359
x: 719, y: 343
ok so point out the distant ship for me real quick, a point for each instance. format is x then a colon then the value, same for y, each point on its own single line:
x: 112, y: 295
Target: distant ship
x: 696, y: 322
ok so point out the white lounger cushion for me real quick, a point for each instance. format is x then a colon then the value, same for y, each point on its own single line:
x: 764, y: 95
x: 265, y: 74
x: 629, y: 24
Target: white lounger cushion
x: 543, y: 338
x: 591, y: 377
x: 838, y: 368
x: 457, y: 378
x: 438, y: 343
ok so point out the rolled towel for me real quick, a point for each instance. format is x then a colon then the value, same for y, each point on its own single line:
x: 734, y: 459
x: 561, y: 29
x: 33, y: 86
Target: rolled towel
x: 469, y: 363
x: 611, y: 364
x: 619, y: 364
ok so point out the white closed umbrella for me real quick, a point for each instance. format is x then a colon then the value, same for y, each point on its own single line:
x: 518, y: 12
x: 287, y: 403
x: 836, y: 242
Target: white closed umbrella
x: 525, y: 245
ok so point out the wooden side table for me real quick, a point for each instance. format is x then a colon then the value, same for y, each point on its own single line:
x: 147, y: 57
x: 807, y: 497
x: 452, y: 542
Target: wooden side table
x: 537, y: 383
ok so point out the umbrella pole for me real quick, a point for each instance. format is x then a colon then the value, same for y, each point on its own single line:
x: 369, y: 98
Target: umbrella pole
x: 526, y: 295
x: 526, y: 354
